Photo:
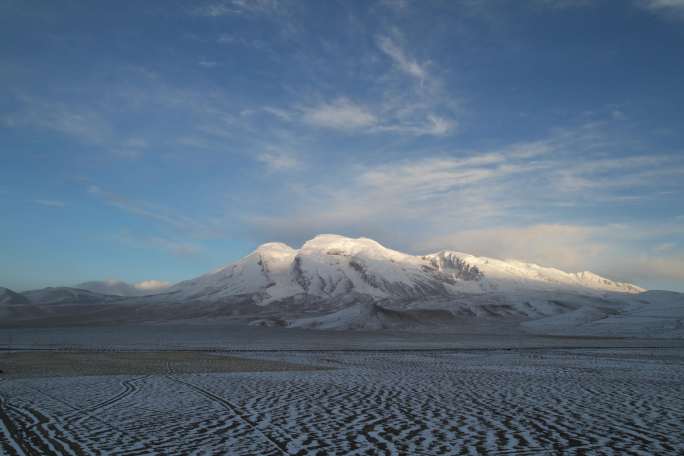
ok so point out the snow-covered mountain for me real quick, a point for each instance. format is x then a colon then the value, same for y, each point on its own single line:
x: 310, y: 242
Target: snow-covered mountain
x: 67, y: 295
x: 331, y: 266
x: 336, y: 282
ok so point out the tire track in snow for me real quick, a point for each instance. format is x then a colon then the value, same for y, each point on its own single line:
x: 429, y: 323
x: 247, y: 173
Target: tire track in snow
x: 82, y: 414
x: 233, y: 409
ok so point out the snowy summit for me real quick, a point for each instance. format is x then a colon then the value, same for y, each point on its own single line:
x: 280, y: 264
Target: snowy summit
x: 329, y: 266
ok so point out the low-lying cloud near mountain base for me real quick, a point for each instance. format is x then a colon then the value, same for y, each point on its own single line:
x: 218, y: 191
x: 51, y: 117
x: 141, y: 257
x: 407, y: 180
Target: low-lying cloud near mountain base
x: 120, y: 288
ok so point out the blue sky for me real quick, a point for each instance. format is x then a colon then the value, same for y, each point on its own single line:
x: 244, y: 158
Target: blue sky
x: 145, y: 140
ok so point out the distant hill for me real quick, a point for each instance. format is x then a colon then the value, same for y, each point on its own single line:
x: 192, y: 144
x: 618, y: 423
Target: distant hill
x: 9, y: 297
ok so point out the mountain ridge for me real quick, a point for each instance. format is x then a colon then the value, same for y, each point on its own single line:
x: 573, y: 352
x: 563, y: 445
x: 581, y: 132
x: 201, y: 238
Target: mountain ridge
x: 335, y: 282
x: 330, y: 265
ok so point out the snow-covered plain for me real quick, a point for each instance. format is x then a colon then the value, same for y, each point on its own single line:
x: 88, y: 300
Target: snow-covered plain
x: 349, y: 348
x: 538, y: 401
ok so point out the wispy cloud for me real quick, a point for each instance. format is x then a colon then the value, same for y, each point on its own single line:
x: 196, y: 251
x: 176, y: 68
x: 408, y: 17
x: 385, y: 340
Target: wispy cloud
x: 278, y: 160
x: 207, y: 63
x: 166, y: 217
x: 663, y: 5
x: 640, y: 268
x: 131, y: 148
x: 395, y: 104
x: 562, y: 4
x: 431, y: 192
x: 50, y: 203
x: 396, y: 5
x: 345, y: 115
x: 85, y: 123
x: 231, y: 39
x: 610, y: 250
x: 230, y: 7
x: 282, y: 114
x: 432, y: 125
x: 409, y: 108
x: 570, y: 247
x: 401, y: 59
x: 665, y: 247
x: 174, y: 247
x: 452, y: 200
x: 340, y: 114
x: 81, y: 123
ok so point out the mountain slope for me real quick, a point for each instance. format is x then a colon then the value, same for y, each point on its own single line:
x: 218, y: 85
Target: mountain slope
x: 509, y: 275
x: 650, y: 314
x: 67, y: 295
x: 109, y: 287
x: 9, y: 297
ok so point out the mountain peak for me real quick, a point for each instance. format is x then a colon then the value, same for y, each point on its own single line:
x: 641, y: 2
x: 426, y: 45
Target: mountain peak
x: 334, y: 244
x: 274, y: 247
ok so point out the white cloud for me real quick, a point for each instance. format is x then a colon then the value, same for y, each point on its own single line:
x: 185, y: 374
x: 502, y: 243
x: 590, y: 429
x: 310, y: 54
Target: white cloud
x: 345, y: 115
x: 207, y: 63
x: 139, y: 143
x: 426, y: 194
x: 608, y: 250
x: 519, y: 180
x: 279, y: 113
x: 230, y: 7
x: 643, y: 268
x: 276, y: 160
x: 396, y: 5
x: 663, y: 4
x: 83, y: 124
x: 341, y: 114
x: 432, y: 176
x: 408, y: 108
x: 87, y: 123
x: 569, y: 247
x: 395, y: 104
x: 162, y: 215
x: 148, y: 285
x: 49, y: 203
x: 562, y: 4
x: 439, y: 126
x: 455, y: 200
x: 666, y: 8
x: 433, y: 125
x: 617, y: 114
x: 163, y: 244
x: 131, y: 148
x: 665, y: 247
x: 403, y: 61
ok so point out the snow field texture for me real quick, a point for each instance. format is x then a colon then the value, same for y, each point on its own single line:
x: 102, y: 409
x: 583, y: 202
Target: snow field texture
x: 583, y: 401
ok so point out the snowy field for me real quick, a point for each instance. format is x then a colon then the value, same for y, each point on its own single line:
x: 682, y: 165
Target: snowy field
x: 519, y: 401
x: 472, y: 334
